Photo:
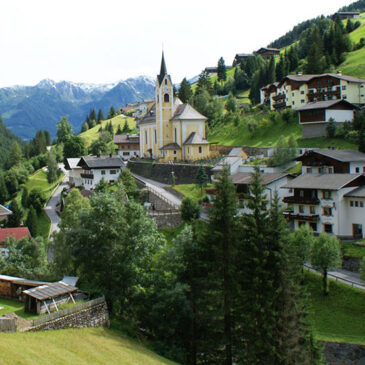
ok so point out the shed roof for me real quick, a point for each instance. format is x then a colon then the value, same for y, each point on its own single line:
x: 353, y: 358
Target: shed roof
x: 49, y: 291
x: 21, y: 281
x: 195, y: 138
x: 170, y: 146
x: 357, y: 193
x: 339, y: 155
x: 245, y: 178
x: 324, y: 181
x: 324, y: 105
x: 236, y: 151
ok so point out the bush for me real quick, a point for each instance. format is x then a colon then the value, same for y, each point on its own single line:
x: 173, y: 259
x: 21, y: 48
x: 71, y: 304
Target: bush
x: 331, y: 128
x: 252, y: 126
x: 189, y: 209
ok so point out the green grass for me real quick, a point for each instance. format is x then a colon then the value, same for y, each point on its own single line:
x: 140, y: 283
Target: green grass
x: 10, y: 306
x: 324, y: 142
x: 296, y: 169
x: 340, y: 316
x: 75, y: 346
x: 171, y: 233
x: 353, y: 250
x: 191, y: 191
x: 92, y: 134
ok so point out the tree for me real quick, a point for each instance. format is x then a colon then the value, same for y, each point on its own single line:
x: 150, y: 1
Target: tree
x: 64, y: 130
x: 47, y: 137
x: 31, y: 221
x: 128, y: 181
x: 92, y: 115
x: 292, y: 146
x: 325, y: 254
x: 24, y: 199
x: 3, y: 190
x: 315, y: 60
x: 74, y: 146
x: 221, y: 70
x: 362, y: 269
x: 15, y: 219
x: 36, y: 200
x: 271, y: 71
x: 331, y: 128
x: 111, y: 112
x: 201, y: 177
x: 101, y: 186
x: 15, y: 156
x: 231, y: 104
x: 190, y: 210
x: 100, y: 116
x: 52, y: 168
x: 125, y: 127
x: 185, y: 92
x: 85, y: 127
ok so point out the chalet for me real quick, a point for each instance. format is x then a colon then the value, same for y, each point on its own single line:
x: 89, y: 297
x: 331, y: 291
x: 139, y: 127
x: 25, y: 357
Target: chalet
x: 211, y: 70
x: 267, y: 52
x: 94, y: 168
x: 239, y: 57
x: 4, y: 213
x: 12, y: 287
x: 331, y: 203
x: 74, y: 171
x: 242, y: 180
x: 127, y: 145
x: 329, y: 161
x: 314, y: 117
x: 347, y: 15
x: 295, y: 91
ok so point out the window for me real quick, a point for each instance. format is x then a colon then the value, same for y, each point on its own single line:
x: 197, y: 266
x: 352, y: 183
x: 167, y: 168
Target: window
x: 292, y: 94
x: 361, y: 204
x: 301, y: 193
x: 175, y: 134
x: 330, y: 170
x: 166, y: 98
x: 302, y: 92
x: 344, y: 96
x: 113, y: 172
x: 293, y: 103
x: 165, y: 81
x: 125, y: 153
x: 174, y: 152
x: 363, y: 169
x: 103, y: 172
x: 301, y: 209
x: 312, y: 210
x: 155, y: 136
x: 356, y: 204
x: 313, y: 226
x: 302, y: 101
x: 326, y: 194
x: 344, y: 87
x: 351, y: 203
x: 327, y: 211
x: 327, y: 228
x: 309, y: 170
x: 145, y: 136
x: 200, y: 149
x: 357, y: 170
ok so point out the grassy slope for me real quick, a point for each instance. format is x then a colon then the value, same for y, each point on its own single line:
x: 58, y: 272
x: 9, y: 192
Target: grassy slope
x: 340, y: 316
x: 191, y: 191
x: 92, y: 134
x: 74, y: 346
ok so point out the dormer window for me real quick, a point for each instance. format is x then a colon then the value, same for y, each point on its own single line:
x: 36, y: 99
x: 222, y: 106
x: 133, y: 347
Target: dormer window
x: 166, y: 98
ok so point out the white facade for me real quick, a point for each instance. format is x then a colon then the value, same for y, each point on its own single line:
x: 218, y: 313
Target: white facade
x: 90, y: 178
x: 127, y: 154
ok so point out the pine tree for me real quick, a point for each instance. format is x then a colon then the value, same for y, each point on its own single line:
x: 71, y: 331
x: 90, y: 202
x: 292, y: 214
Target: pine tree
x: 24, y: 199
x: 271, y: 71
x: 92, y: 115
x: 185, y: 91
x: 119, y: 130
x: 125, y: 127
x: 280, y: 69
x: 47, y: 137
x: 315, y: 58
x: 85, y: 127
x: 4, y: 195
x: 15, y: 219
x: 15, y: 156
x: 201, y: 177
x: 221, y: 70
x: 52, y: 169
x: 111, y: 112
x: 100, y: 116
x: 31, y: 221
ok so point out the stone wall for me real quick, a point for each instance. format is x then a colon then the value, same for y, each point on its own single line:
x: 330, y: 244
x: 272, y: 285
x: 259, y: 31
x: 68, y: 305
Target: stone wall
x: 184, y: 173
x: 337, y: 353
x: 351, y: 263
x: 7, y: 324
x: 167, y: 220
x: 90, y: 314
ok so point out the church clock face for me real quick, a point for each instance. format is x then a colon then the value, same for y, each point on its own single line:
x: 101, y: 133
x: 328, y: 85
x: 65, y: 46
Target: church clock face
x: 166, y: 89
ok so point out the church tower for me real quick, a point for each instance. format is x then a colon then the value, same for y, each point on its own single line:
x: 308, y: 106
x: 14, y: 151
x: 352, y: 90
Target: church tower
x: 164, y: 98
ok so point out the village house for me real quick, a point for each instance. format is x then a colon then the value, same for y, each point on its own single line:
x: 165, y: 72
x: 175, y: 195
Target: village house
x: 347, y: 15
x: 295, y: 91
x: 142, y: 108
x: 332, y: 161
x: 95, y: 168
x: 17, y: 232
x: 74, y: 171
x: 314, y: 117
x: 4, y: 213
x: 171, y: 130
x: 267, y: 52
x: 239, y: 57
x: 331, y: 203
x: 127, y: 145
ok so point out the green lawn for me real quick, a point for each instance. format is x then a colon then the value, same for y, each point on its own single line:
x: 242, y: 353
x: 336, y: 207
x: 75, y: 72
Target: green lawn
x: 75, y: 346
x: 10, y: 306
x: 92, y: 134
x: 191, y: 191
x: 338, y: 317
x: 352, y: 250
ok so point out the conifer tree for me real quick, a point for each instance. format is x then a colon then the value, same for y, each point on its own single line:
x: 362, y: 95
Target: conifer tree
x: 3, y: 190
x: 125, y: 127
x: 221, y: 70
x: 119, y: 130
x: 85, y: 127
x: 315, y: 58
x: 271, y: 71
x: 100, y: 116
x: 15, y: 219
x: 111, y: 112
x: 24, y: 199
x: 185, y: 91
x: 31, y: 221
x: 47, y: 137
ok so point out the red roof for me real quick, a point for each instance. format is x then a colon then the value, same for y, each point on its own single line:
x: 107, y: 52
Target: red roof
x: 18, y: 233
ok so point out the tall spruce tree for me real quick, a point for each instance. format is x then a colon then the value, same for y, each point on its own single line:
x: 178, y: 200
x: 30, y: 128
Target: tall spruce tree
x: 15, y: 219
x: 315, y: 59
x: 221, y: 70
x: 100, y: 116
x: 31, y: 221
x: 4, y: 195
x: 185, y: 91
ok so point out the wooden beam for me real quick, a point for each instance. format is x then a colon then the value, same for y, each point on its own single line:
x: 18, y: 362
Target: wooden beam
x: 55, y: 304
x: 72, y: 298
x: 46, y: 306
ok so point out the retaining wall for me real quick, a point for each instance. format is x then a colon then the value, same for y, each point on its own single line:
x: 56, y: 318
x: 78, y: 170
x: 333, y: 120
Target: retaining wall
x: 7, y: 324
x: 337, y: 353
x: 184, y: 173
x: 93, y: 313
x: 167, y: 220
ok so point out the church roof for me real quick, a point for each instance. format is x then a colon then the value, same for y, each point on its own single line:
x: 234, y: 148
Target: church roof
x: 150, y: 116
x: 163, y: 70
x: 195, y: 138
x: 171, y: 146
x: 187, y: 112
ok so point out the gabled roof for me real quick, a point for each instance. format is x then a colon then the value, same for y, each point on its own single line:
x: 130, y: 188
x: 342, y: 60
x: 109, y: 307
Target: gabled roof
x: 236, y: 151
x: 195, y: 138
x: 356, y: 193
x: 187, y: 112
x: 245, y: 178
x: 49, y: 291
x: 309, y: 77
x: 325, y: 105
x: 98, y: 162
x: 126, y: 138
x: 324, y: 181
x: 170, y: 146
x: 18, y: 233
x: 71, y: 163
x: 268, y: 49
x: 226, y: 161
x: 4, y: 212
x: 339, y: 155
x: 150, y: 116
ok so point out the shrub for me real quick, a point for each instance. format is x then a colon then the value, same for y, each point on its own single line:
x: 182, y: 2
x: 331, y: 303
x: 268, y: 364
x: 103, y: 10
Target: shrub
x: 252, y: 126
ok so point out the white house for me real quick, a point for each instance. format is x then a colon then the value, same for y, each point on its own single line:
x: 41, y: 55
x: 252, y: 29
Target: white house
x: 74, y: 171
x: 94, y: 168
x: 127, y: 145
x: 331, y: 203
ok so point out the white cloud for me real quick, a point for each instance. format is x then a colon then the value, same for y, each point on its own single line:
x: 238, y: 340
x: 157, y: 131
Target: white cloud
x: 104, y: 41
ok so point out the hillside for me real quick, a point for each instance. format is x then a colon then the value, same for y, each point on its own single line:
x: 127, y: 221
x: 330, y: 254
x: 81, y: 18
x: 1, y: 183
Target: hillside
x: 92, y: 134
x: 6, y: 140
x: 74, y: 346
x: 26, y: 109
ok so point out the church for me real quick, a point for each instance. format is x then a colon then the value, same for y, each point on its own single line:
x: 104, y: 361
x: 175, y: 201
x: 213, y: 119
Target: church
x: 171, y: 130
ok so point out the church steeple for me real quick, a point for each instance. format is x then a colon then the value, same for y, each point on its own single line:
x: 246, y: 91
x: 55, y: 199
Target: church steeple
x: 163, y: 70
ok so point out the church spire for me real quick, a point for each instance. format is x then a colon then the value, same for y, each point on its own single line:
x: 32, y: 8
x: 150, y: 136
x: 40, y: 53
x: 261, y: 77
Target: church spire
x: 163, y: 70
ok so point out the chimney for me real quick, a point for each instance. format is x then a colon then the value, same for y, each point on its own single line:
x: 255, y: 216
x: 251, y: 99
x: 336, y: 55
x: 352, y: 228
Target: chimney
x: 339, y: 73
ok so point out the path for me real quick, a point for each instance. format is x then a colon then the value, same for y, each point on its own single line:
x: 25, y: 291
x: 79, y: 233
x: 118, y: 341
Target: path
x: 344, y: 276
x: 50, y: 208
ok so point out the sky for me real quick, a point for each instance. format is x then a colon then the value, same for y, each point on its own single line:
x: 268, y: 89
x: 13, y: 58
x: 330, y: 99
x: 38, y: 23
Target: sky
x: 110, y: 40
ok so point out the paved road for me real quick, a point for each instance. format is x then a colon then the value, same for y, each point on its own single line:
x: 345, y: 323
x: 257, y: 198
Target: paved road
x: 344, y: 276
x: 50, y: 208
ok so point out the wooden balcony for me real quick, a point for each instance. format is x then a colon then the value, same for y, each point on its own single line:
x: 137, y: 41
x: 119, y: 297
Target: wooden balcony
x: 87, y: 176
x: 302, y: 201
x: 280, y: 105
x: 302, y: 217
x: 278, y: 97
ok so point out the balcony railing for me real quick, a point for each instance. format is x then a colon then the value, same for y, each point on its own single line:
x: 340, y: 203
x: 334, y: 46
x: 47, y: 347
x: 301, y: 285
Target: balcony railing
x: 299, y: 200
x: 280, y: 105
x: 302, y: 217
x: 278, y: 97
x: 87, y: 176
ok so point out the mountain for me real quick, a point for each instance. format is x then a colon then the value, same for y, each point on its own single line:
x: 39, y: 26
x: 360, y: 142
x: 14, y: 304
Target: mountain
x: 26, y: 109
